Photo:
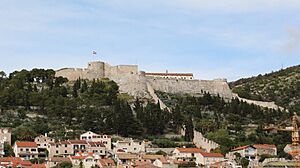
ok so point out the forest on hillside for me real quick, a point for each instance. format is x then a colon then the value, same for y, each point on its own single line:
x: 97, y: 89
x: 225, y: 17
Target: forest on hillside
x: 282, y: 87
x: 229, y: 123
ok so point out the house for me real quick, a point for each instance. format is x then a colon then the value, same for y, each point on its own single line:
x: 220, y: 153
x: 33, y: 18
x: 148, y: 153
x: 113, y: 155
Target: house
x: 90, y: 136
x: 126, y: 158
x: 84, y: 159
x: 164, y: 163
x: 206, y: 159
x: 248, y: 152
x: 54, y: 161
x: 186, y: 154
x: 265, y: 149
x: 61, y: 148
x: 71, y: 147
x: 43, y: 140
x: 129, y: 145
x: 1, y: 148
x: 26, y: 150
x: 107, y: 163
x: 5, y: 135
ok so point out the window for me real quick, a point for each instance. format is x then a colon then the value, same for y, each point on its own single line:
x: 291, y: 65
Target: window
x: 27, y: 150
x: 21, y: 149
x: 66, y: 151
x: 57, y: 151
x: 140, y: 143
x: 33, y: 149
x: 101, y: 151
x: 134, y: 148
x: 56, y: 146
x: 66, y: 145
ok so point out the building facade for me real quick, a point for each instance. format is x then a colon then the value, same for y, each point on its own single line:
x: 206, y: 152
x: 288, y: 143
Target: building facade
x: 129, y: 145
x: 90, y: 136
x: 26, y: 150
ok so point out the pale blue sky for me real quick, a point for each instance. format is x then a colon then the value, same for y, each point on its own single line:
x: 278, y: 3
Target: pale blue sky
x: 211, y: 38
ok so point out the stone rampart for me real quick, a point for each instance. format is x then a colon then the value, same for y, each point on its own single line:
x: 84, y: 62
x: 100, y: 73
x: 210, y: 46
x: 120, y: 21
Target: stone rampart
x: 215, y: 87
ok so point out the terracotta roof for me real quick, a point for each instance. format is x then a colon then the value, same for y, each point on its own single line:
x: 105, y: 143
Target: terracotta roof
x: 94, y: 144
x: 189, y: 150
x: 77, y: 141
x: 170, y: 74
x: 38, y: 166
x: 264, y: 146
x: 59, y: 159
x: 105, y: 162
x: 26, y: 144
x: 10, y: 159
x: 164, y: 160
x: 205, y: 154
x: 240, y: 148
x: 127, y: 156
x: 152, y: 157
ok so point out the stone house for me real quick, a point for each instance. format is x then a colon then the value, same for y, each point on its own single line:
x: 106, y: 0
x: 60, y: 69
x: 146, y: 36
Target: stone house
x: 87, y: 159
x: 129, y: 145
x: 43, y: 140
x: 186, y: 154
x: 248, y: 152
x: 206, y: 159
x: 90, y: 136
x: 267, y: 149
x: 26, y: 150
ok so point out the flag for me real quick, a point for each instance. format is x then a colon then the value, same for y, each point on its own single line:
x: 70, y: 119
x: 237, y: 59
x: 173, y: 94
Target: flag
x: 94, y: 52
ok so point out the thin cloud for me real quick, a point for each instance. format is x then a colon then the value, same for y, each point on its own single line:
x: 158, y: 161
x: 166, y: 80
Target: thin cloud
x: 293, y: 42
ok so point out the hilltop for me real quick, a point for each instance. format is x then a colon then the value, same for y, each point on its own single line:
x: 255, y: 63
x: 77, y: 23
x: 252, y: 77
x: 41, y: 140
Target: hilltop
x: 282, y: 87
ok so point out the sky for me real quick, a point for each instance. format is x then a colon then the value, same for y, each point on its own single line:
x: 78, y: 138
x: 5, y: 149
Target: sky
x: 213, y: 39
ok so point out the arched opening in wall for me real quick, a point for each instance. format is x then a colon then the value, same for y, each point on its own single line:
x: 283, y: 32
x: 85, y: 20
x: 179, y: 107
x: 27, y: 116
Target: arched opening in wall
x: 131, y: 72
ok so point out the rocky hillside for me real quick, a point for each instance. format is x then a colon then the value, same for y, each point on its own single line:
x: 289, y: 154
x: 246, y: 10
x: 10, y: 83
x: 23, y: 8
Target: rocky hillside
x: 282, y: 87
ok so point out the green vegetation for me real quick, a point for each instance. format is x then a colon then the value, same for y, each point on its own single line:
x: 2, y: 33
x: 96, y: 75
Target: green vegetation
x: 229, y: 123
x: 282, y: 87
x: 35, y: 102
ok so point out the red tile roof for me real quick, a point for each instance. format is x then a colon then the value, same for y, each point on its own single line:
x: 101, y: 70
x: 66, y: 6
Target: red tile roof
x: 77, y: 141
x: 189, y: 150
x: 264, y: 146
x: 205, y: 154
x: 38, y: 166
x: 94, y: 144
x: 10, y: 159
x: 26, y: 144
x: 170, y: 74
x: 105, y: 162
x: 240, y: 148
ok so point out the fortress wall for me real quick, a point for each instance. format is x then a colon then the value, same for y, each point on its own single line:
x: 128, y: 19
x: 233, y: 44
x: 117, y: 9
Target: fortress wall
x: 191, y: 86
x: 132, y: 84
x: 71, y: 73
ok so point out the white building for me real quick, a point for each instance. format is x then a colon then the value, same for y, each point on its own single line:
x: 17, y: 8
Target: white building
x: 183, y: 76
x: 86, y: 159
x: 248, y: 152
x: 186, y: 154
x: 129, y: 145
x: 90, y: 136
x: 26, y: 150
x: 206, y: 159
x: 71, y: 147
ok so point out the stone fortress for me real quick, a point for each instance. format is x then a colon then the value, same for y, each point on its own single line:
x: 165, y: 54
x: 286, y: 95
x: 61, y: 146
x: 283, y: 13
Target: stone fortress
x: 143, y: 84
